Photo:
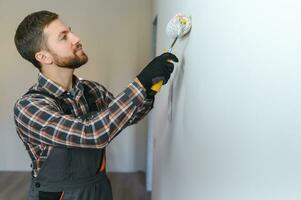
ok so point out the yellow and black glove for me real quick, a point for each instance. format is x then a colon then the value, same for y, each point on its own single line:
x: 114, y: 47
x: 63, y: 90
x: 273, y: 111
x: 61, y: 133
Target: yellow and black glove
x: 159, y: 69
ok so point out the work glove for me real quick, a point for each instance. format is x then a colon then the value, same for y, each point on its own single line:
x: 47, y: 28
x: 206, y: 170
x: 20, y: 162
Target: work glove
x: 160, y: 68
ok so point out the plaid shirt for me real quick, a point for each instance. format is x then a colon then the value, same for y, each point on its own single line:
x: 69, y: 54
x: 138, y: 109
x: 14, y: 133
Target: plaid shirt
x: 41, y: 124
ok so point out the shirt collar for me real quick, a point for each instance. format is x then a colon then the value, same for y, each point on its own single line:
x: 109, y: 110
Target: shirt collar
x: 53, y: 88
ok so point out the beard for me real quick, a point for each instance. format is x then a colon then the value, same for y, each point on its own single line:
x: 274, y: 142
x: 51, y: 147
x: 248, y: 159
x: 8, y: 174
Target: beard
x: 74, y: 61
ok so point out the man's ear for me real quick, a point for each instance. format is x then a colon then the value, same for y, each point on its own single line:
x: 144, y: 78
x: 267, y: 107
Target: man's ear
x: 44, y: 57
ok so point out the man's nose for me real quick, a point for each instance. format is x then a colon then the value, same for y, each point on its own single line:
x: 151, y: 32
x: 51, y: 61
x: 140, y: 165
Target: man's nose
x: 75, y: 38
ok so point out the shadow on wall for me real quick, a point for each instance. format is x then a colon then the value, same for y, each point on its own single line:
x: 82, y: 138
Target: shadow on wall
x: 176, y: 88
x: 176, y: 100
x: 177, y: 82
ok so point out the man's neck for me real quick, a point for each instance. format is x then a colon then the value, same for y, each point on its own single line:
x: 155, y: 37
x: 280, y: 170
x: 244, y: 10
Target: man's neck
x: 61, y: 76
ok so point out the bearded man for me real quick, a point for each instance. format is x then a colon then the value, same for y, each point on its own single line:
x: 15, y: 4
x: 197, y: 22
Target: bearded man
x: 66, y: 122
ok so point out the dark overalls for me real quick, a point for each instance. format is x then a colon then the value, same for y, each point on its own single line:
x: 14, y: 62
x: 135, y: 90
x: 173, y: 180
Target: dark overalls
x: 72, y: 173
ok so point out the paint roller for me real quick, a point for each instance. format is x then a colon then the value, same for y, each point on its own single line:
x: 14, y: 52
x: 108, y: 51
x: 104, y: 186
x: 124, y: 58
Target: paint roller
x: 179, y: 26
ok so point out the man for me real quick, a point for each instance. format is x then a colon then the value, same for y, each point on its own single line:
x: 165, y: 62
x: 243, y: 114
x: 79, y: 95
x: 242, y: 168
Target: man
x: 65, y: 122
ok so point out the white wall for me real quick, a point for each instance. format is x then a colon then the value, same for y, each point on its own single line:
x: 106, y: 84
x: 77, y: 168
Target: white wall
x: 235, y: 131
x: 116, y: 35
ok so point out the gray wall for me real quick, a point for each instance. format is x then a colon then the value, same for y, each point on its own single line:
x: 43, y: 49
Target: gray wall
x: 116, y: 35
x: 235, y: 131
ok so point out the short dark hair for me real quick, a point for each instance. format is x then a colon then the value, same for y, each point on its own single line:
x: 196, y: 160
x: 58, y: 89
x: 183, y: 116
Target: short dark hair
x: 29, y: 37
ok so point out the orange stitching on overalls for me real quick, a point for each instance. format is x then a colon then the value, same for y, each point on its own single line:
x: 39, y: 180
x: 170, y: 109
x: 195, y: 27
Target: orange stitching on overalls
x: 103, y: 164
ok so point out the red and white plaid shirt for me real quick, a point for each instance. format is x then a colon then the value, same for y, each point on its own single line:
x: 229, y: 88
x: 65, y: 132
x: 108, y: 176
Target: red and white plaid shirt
x: 41, y: 124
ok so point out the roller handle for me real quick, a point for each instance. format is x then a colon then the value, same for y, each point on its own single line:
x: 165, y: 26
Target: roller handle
x: 157, y: 86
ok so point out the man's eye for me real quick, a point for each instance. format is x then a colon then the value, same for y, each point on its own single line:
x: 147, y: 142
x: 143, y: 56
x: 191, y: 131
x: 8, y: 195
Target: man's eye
x: 63, y: 37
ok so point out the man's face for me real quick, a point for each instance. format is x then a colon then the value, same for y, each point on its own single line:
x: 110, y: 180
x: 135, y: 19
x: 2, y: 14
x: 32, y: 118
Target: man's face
x: 64, y: 46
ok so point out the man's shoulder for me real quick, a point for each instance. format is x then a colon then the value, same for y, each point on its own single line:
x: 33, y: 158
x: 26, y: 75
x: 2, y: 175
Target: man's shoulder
x: 33, y: 94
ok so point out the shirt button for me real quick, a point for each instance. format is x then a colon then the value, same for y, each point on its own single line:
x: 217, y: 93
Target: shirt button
x: 38, y: 185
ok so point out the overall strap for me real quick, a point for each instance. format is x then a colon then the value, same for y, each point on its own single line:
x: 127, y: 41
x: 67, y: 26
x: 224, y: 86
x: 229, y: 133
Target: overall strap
x: 90, y: 99
x: 63, y: 105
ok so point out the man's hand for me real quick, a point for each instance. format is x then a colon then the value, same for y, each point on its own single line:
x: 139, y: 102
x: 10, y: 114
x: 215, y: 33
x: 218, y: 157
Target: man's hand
x: 160, y: 68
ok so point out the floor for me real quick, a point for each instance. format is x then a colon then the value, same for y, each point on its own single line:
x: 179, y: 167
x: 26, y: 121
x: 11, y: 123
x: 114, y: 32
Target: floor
x: 126, y: 186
